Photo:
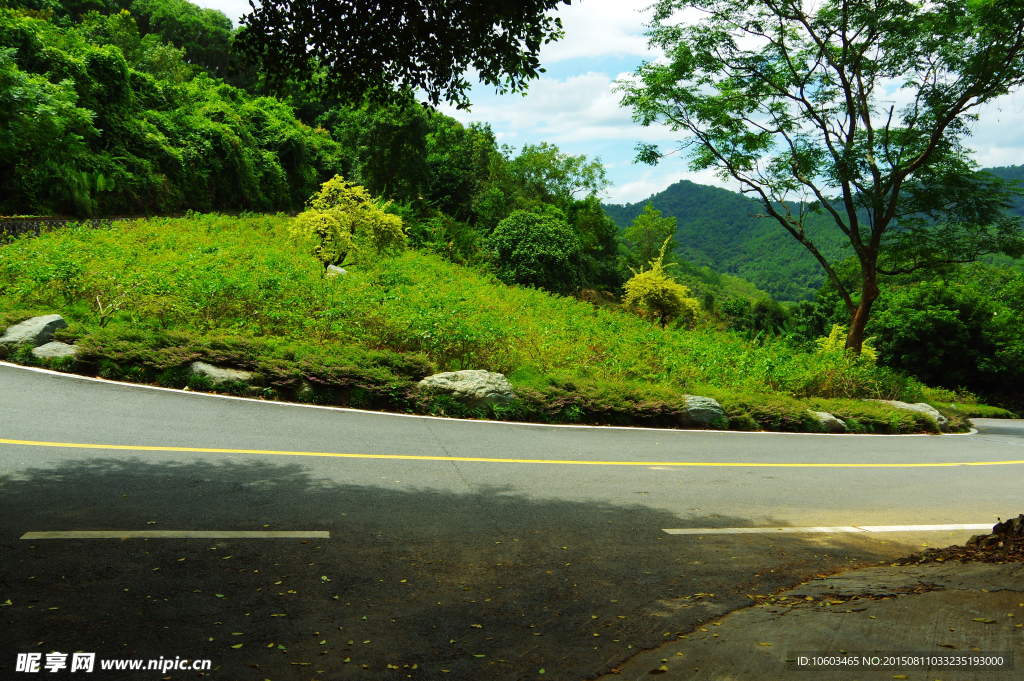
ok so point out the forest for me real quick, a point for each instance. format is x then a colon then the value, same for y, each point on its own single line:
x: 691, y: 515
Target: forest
x: 109, y: 108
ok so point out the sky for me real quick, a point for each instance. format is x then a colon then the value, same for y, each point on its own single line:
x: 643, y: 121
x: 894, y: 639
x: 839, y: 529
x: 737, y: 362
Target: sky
x: 573, y: 106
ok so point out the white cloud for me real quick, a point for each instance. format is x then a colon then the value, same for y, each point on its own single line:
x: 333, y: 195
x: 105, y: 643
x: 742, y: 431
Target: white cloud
x: 599, y: 28
x: 576, y: 110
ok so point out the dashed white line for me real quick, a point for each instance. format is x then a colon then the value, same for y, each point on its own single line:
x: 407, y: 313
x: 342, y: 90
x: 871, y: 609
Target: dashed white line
x: 827, y: 530
x: 177, y: 534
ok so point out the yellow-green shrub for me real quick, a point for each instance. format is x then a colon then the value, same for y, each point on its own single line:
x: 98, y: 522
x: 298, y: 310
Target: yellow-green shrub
x: 342, y: 219
x: 654, y: 293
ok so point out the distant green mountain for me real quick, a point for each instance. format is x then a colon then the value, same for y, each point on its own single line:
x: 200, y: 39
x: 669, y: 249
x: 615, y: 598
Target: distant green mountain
x: 716, y: 229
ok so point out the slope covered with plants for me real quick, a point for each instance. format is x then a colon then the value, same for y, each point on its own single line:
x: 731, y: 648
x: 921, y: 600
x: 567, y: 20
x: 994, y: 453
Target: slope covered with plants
x: 145, y: 299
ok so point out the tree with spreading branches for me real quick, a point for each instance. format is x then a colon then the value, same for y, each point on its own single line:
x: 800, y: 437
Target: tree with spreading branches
x: 355, y: 50
x: 856, y: 108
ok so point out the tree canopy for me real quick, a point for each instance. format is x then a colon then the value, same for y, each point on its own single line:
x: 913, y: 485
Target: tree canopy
x: 359, y: 49
x: 797, y: 105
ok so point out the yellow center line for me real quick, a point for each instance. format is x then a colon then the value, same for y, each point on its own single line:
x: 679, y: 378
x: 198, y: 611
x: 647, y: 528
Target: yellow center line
x: 564, y: 462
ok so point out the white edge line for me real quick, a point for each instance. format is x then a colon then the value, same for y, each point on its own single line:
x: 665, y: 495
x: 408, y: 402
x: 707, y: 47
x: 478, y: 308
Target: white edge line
x: 177, y: 534
x: 825, y: 530
x: 448, y: 418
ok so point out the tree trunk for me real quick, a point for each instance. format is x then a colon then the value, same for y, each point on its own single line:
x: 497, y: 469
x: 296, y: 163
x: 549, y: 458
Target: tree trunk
x: 859, y: 321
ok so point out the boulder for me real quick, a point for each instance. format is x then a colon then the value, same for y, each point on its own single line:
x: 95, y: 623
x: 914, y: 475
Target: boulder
x: 472, y: 387
x: 702, y: 411
x: 36, y: 331
x: 217, y: 375
x: 924, y: 409
x: 334, y: 271
x: 53, y: 350
x: 305, y: 392
x: 3, y: 352
x: 830, y: 422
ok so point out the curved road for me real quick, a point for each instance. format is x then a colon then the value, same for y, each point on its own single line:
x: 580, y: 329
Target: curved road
x: 432, y: 522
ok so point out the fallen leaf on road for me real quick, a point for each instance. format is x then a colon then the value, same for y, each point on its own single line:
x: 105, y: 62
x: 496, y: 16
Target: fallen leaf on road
x: 984, y: 620
x: 660, y: 670
x: 764, y: 644
x: 238, y: 646
x: 946, y: 645
x: 236, y: 633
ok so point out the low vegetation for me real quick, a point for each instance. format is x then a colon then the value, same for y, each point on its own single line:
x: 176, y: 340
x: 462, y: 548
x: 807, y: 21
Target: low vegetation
x: 144, y: 299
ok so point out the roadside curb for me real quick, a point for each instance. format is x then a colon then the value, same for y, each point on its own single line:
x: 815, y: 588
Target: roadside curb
x: 96, y: 379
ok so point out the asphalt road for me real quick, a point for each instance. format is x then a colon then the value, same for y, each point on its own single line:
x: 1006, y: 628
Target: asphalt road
x: 560, y: 558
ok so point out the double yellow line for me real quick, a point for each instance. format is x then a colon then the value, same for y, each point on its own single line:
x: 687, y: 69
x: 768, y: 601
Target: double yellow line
x: 481, y: 459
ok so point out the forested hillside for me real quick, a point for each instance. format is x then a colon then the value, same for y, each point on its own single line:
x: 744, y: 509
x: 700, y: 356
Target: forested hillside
x: 716, y: 228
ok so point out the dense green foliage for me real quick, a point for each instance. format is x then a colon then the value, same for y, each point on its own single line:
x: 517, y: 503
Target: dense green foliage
x: 453, y: 185
x: 239, y: 292
x: 98, y: 120
x: 536, y: 249
x: 961, y: 328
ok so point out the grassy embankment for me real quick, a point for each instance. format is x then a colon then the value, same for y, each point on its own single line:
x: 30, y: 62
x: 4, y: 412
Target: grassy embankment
x: 145, y: 299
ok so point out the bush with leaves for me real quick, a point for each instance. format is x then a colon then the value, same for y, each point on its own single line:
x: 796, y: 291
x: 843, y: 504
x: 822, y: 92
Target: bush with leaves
x: 537, y: 249
x: 655, y: 294
x: 343, y: 219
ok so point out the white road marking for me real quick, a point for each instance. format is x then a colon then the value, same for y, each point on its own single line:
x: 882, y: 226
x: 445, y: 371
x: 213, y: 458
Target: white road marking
x: 175, y: 534
x: 829, y: 530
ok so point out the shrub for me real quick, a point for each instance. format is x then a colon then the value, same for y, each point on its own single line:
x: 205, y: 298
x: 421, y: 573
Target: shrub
x: 343, y: 218
x: 537, y: 249
x: 657, y: 295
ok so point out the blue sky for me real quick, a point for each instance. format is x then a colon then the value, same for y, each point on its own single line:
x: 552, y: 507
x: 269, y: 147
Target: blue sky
x: 572, y: 105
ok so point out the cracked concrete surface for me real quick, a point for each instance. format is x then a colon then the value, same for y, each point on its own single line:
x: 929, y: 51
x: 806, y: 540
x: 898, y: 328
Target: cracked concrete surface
x: 910, y: 609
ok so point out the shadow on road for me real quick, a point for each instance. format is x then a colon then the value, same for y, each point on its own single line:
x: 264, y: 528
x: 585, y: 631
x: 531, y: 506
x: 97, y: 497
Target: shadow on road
x: 413, y: 582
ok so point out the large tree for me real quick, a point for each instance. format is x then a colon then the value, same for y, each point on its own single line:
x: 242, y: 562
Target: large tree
x: 354, y: 49
x: 858, y: 108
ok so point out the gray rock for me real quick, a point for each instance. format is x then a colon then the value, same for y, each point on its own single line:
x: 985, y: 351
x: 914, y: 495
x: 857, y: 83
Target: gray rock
x: 472, y: 387
x: 923, y: 408
x: 218, y: 376
x: 305, y: 391
x: 36, y: 331
x: 53, y: 350
x: 333, y: 271
x: 702, y: 411
x: 831, y: 423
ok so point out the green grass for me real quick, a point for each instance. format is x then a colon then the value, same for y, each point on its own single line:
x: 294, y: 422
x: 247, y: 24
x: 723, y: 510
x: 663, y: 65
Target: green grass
x: 144, y: 299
